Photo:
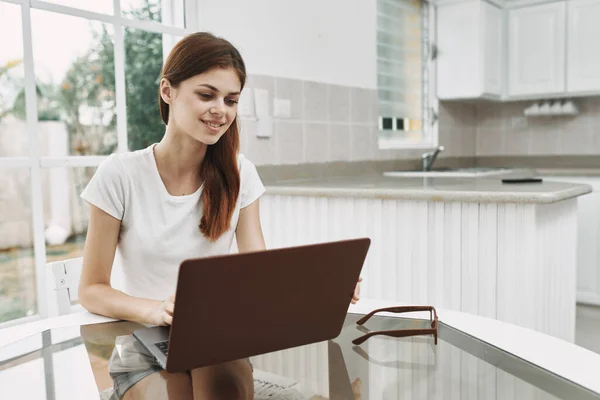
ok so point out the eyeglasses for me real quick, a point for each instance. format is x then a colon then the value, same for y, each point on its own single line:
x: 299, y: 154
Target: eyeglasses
x: 401, y: 332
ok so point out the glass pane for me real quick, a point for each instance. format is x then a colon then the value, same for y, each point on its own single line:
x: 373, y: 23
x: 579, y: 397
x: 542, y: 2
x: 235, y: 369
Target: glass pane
x: 65, y: 374
x: 17, y: 265
x: 99, y: 6
x: 459, y: 367
x: 401, y: 35
x: 75, y: 84
x: 65, y: 213
x: 13, y: 130
x: 144, y: 55
x: 167, y: 12
x: 11, y: 380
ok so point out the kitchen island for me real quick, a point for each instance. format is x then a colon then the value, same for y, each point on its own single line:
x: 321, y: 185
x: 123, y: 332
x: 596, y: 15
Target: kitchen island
x: 476, y: 245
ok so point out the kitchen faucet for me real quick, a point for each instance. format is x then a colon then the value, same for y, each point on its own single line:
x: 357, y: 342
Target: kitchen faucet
x: 429, y: 158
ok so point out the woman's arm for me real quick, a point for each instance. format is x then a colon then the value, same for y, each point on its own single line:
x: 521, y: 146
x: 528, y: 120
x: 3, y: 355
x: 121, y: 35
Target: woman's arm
x: 248, y: 232
x: 95, y: 292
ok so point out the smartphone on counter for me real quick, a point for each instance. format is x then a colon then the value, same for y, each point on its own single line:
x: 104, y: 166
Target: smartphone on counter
x: 521, y: 180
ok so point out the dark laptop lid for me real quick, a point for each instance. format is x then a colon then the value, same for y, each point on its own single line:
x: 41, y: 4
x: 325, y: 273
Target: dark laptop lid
x: 236, y: 306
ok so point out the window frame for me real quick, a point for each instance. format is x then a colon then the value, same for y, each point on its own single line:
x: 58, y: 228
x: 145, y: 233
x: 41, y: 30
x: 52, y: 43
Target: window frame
x: 37, y: 163
x: 430, y: 134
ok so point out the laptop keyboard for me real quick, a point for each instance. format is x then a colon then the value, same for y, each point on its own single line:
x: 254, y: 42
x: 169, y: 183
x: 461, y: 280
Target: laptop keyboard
x: 163, y: 346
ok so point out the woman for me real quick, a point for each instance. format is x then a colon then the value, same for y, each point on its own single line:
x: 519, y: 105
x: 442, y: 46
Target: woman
x: 184, y: 197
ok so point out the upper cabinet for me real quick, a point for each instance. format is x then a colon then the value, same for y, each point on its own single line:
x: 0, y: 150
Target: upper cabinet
x: 536, y: 50
x: 510, y: 50
x: 470, y: 48
x: 493, y: 49
x: 583, y: 48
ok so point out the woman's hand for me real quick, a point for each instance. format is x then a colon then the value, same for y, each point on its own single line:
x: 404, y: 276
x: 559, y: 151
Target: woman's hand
x: 162, y: 313
x: 356, y: 296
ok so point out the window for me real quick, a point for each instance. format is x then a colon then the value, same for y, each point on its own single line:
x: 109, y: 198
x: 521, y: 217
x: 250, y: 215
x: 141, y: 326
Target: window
x: 17, y: 264
x: 70, y: 82
x: 406, y: 101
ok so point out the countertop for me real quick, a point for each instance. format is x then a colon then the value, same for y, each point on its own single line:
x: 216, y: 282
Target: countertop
x: 488, y: 189
x: 576, y: 172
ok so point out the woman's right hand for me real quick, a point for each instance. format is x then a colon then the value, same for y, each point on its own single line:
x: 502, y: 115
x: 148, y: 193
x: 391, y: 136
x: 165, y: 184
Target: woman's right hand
x: 162, y: 313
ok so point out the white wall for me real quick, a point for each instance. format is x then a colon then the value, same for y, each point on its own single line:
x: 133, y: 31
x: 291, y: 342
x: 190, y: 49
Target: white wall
x: 330, y: 41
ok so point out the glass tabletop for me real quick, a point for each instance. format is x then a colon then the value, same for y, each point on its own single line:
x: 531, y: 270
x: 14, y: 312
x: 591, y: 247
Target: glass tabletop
x: 74, y: 363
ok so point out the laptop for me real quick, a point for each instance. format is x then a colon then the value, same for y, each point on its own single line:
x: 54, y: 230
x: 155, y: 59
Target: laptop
x: 240, y: 305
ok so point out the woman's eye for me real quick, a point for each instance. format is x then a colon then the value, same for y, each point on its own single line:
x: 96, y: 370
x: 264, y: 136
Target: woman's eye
x: 232, y: 101
x: 207, y: 96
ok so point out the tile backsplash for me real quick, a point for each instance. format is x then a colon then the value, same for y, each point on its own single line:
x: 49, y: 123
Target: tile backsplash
x: 501, y: 129
x: 332, y: 123
x: 457, y: 129
x: 327, y: 123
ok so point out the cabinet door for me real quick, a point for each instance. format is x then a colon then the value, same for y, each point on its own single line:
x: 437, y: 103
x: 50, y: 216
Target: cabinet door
x: 588, y: 237
x: 537, y: 50
x: 493, y: 49
x: 470, y: 42
x: 459, y: 56
x: 583, y: 61
x: 588, y: 252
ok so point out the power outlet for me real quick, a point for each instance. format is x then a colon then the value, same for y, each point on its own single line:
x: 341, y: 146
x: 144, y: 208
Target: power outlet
x: 518, y: 123
x: 265, y: 127
x: 263, y: 113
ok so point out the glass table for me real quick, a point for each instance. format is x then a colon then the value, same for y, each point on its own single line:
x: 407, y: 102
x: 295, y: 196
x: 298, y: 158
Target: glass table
x: 73, y: 362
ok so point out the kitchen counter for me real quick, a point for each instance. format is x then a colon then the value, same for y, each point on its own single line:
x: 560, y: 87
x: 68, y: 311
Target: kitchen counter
x: 473, y: 245
x: 591, y: 172
x: 481, y: 190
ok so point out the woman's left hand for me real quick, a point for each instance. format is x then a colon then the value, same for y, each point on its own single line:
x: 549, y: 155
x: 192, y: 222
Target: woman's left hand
x: 356, y: 295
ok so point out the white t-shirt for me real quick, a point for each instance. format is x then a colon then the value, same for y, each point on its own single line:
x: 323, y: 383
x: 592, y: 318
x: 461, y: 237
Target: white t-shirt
x: 158, y: 230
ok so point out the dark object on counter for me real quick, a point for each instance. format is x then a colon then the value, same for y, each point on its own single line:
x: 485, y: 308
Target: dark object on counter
x: 521, y: 180
x: 402, y: 332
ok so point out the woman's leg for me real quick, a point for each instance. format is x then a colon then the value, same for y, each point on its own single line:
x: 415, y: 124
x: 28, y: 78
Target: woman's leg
x: 162, y: 386
x: 228, y: 381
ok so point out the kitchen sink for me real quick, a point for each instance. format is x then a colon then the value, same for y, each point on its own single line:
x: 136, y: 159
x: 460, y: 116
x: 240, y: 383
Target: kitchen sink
x: 474, y: 172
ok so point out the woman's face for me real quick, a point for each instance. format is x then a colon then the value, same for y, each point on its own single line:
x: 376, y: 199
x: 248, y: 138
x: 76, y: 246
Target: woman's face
x: 205, y: 105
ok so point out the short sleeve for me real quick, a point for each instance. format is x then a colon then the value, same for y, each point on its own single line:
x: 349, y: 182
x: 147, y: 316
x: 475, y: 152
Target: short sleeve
x: 106, y: 189
x: 251, y: 185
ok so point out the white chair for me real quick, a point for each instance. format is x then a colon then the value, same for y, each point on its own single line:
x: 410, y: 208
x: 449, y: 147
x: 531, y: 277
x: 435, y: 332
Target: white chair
x: 65, y: 278
x: 65, y: 283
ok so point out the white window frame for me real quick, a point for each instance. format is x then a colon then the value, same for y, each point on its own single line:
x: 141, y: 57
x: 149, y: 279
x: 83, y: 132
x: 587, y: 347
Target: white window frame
x: 35, y: 162
x: 430, y: 135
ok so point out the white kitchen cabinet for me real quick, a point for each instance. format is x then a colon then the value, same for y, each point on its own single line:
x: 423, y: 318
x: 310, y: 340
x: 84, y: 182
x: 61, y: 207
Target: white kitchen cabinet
x: 536, y: 50
x: 588, y: 237
x: 583, y: 47
x: 470, y: 50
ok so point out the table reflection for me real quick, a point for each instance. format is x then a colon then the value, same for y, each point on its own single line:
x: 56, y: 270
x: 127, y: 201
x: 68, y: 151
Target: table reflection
x: 75, y: 363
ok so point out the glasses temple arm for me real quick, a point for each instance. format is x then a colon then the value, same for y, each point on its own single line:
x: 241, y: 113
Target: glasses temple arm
x: 399, y: 309
x: 398, y: 334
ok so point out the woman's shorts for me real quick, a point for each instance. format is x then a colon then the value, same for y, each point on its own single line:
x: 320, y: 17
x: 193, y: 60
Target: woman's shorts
x: 129, y: 363
x: 123, y: 381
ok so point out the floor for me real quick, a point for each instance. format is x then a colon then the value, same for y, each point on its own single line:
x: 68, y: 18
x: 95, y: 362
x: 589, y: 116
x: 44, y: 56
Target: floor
x: 587, y: 327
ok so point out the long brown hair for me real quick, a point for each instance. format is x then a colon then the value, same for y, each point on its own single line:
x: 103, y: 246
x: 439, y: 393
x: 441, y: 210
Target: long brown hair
x: 195, y: 54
